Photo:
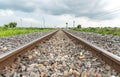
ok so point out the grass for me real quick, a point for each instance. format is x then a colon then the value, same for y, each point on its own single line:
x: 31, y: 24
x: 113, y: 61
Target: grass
x: 17, y: 31
x: 105, y: 30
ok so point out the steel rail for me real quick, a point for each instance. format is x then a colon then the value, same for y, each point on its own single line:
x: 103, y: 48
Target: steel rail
x: 109, y: 58
x: 9, y: 57
x: 114, y: 61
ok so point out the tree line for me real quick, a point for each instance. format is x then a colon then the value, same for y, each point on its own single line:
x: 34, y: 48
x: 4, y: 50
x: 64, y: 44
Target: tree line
x: 11, y: 25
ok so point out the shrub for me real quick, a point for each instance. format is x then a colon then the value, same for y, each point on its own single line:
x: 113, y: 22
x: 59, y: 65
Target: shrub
x: 78, y: 26
x: 12, y: 24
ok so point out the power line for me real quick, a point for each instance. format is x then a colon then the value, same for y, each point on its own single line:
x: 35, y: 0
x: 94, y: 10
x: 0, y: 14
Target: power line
x: 109, y: 12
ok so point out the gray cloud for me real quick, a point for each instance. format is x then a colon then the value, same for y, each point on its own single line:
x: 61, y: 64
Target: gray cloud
x: 78, y: 8
x: 17, y: 5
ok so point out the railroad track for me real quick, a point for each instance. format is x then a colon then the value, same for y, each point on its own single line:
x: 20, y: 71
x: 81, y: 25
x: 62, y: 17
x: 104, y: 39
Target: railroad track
x: 7, y: 59
x: 108, y: 57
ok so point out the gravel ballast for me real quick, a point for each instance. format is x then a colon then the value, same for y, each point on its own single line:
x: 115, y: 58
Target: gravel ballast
x: 13, y: 42
x: 108, y: 42
x: 59, y: 56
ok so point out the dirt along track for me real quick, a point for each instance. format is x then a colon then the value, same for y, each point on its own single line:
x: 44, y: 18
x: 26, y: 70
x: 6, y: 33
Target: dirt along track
x: 59, y: 56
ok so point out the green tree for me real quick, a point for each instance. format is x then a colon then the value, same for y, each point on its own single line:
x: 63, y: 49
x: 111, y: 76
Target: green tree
x: 79, y: 26
x: 6, y: 25
x: 12, y: 24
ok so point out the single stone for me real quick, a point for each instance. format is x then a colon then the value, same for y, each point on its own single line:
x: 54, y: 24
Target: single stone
x: 54, y: 66
x: 62, y: 58
x: 46, y: 63
x: 79, y: 63
x: 36, y: 53
x: 88, y: 64
x: 81, y: 57
x: 1, y: 76
x: 113, y: 76
x: 97, y: 70
x: 33, y: 55
x: 114, y: 72
x: 32, y: 74
x: 95, y: 74
x: 64, y: 64
x: 51, y: 56
x: 30, y: 57
x: 107, y: 67
x: 38, y: 60
x: 14, y: 74
x: 30, y: 69
x: 108, y: 74
x: 42, y: 68
x: 4, y: 48
x: 54, y: 74
x: 18, y: 59
x: 81, y: 53
x: 48, y: 67
x: 72, y: 66
x: 14, y: 66
x: 23, y: 67
x: 57, y: 59
x: 70, y: 71
x: 98, y: 75
x: 66, y: 56
x: 24, y: 76
x: 96, y: 64
x: 76, y: 73
x: 43, y: 74
x: 66, y: 74
x: 33, y: 65
x: 39, y: 65
x: 84, y: 74
x: 91, y: 72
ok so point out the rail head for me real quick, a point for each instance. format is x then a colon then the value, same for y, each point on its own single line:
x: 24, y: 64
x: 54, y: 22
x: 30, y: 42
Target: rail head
x: 8, y: 55
x: 108, y: 57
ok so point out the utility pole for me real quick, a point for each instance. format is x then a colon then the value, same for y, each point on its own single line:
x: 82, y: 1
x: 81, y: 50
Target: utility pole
x: 21, y: 21
x: 73, y: 23
x: 31, y: 24
x: 66, y: 25
x: 43, y: 22
x: 54, y: 26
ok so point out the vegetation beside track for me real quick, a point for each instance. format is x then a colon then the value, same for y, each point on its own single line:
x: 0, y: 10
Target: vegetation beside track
x: 105, y: 30
x: 4, y: 31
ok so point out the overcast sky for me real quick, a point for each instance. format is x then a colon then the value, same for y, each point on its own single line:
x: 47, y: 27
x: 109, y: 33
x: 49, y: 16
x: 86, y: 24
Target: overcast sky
x: 55, y: 13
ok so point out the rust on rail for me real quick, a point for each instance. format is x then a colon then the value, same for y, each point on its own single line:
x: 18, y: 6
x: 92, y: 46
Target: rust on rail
x: 109, y: 58
x: 9, y: 57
